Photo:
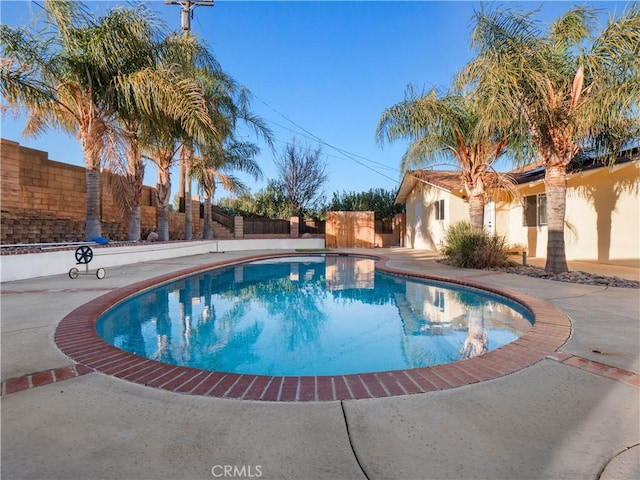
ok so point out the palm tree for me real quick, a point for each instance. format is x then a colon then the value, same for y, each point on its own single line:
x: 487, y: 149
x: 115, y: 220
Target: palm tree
x: 445, y: 127
x: 162, y: 93
x: 558, y: 92
x: 146, y: 86
x: 63, y: 78
x: 85, y: 73
x: 215, y: 165
x: 174, y: 114
x: 221, y: 155
x: 163, y: 142
x: 225, y: 104
x: 164, y: 137
x: 194, y: 57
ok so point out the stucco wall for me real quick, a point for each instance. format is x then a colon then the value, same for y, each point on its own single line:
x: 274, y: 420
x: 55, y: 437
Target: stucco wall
x: 602, y: 217
x: 423, y: 231
x: 509, y: 223
x: 32, y: 265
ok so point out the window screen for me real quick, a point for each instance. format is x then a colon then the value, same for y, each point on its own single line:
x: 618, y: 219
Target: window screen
x: 439, y: 204
x: 542, y: 209
x: 534, y: 210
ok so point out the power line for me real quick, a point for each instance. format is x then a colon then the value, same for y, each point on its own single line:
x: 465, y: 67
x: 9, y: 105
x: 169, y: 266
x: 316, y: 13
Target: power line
x: 341, y: 157
x: 318, y: 139
x: 186, y: 14
x: 349, y: 155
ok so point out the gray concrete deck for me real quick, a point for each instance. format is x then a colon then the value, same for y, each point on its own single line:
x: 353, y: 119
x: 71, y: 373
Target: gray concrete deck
x: 549, y: 421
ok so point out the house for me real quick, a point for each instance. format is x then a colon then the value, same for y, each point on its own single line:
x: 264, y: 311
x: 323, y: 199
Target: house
x: 602, y: 220
x: 433, y: 201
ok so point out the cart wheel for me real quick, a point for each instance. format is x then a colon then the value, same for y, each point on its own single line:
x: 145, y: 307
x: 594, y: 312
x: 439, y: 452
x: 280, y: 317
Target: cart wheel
x: 84, y: 254
x: 100, y: 273
x: 73, y: 273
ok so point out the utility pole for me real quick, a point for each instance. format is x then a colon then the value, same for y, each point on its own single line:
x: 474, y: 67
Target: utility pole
x: 186, y: 14
x: 184, y: 191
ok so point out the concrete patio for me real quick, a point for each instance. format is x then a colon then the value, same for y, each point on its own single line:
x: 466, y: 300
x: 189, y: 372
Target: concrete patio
x: 572, y: 415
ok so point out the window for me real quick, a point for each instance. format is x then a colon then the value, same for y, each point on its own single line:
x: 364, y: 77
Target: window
x: 542, y: 209
x: 439, y: 209
x: 534, y: 210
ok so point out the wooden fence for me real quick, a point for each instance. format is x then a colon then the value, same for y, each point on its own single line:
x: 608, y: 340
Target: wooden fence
x: 266, y: 226
x: 350, y: 230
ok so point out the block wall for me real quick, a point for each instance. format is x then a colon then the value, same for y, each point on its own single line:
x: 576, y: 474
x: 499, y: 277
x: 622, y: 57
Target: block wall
x: 42, y: 201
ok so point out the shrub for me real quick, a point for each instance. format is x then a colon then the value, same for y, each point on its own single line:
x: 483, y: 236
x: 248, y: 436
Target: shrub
x: 468, y: 248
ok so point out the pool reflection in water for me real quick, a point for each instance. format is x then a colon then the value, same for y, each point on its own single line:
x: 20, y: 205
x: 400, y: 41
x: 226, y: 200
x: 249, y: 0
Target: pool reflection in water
x: 316, y: 315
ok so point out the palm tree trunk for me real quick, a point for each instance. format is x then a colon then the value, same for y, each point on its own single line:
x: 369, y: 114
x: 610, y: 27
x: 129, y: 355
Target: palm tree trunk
x: 185, y: 161
x: 134, y: 224
x: 209, y: 188
x: 93, y: 225
x: 476, y: 211
x: 188, y: 221
x: 555, y: 181
x: 207, y: 233
x: 163, y: 192
x: 92, y: 143
x: 181, y: 182
x: 135, y: 172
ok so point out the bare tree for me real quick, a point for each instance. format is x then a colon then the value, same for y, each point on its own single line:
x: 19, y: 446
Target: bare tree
x: 302, y: 175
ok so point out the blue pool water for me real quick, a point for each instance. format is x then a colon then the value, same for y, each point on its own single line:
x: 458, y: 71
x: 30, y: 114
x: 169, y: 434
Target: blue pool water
x: 315, y: 315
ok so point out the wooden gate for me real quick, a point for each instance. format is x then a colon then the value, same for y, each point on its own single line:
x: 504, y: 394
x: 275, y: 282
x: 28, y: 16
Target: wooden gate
x: 350, y: 230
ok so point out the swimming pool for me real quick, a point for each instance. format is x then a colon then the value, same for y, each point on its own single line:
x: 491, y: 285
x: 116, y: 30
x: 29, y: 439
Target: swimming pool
x: 311, y: 316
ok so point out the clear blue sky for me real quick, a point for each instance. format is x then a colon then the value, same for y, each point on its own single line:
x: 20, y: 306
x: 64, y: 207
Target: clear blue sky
x: 322, y: 72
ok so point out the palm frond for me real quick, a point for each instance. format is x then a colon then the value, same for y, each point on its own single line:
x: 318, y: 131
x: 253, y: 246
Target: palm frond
x: 21, y: 86
x: 572, y: 27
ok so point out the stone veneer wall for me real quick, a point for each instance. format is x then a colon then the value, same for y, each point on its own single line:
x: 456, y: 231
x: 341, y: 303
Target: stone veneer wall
x: 44, y: 201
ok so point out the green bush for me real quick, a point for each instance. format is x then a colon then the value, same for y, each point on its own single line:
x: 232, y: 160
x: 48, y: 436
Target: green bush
x: 468, y: 248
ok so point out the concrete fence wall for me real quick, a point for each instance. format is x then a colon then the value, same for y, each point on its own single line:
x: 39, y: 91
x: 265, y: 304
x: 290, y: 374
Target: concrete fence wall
x: 45, y: 201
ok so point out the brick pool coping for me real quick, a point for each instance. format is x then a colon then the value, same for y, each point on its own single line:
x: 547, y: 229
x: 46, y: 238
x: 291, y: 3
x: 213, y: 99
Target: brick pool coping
x: 76, y: 336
